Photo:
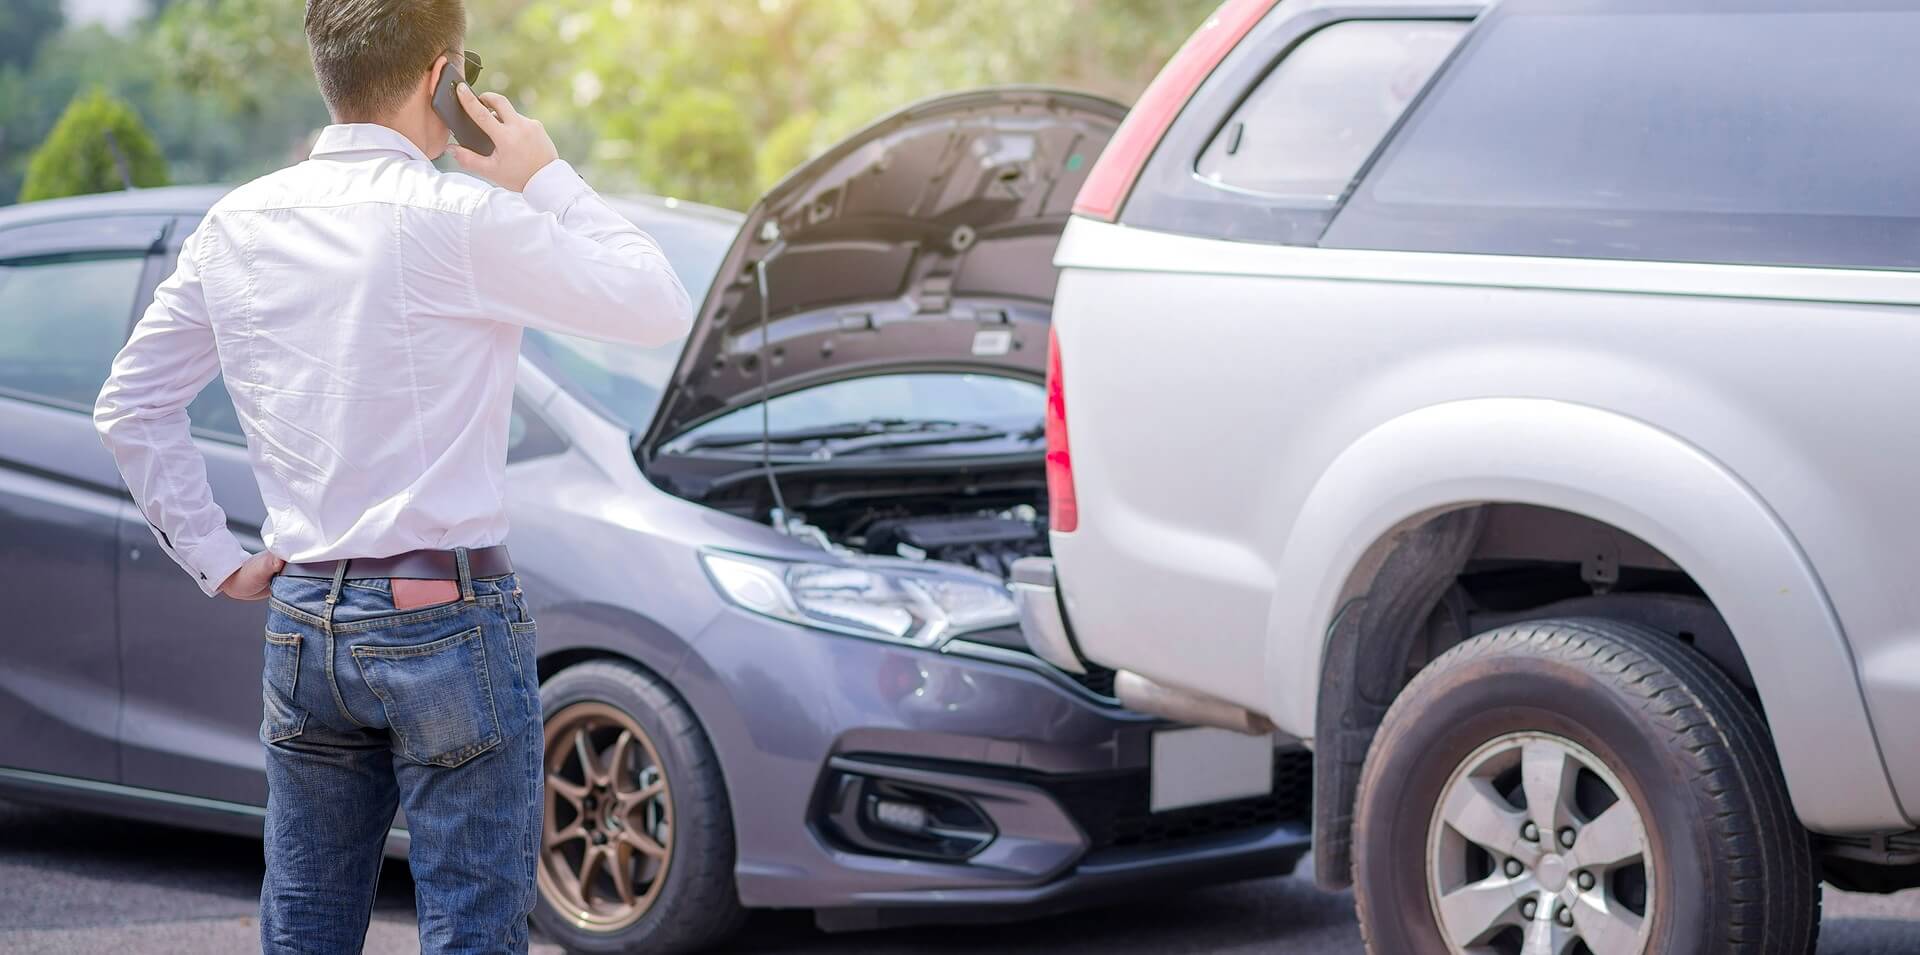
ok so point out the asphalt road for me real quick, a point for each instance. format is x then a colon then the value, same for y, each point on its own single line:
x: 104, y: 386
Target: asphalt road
x: 77, y: 884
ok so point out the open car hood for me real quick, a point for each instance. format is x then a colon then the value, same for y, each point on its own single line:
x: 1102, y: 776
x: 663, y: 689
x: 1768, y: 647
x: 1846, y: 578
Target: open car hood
x: 922, y: 243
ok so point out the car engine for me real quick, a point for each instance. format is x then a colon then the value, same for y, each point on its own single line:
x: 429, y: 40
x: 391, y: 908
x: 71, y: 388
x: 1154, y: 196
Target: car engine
x: 986, y: 540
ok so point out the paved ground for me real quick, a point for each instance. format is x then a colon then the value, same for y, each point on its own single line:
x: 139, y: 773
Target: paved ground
x: 77, y: 884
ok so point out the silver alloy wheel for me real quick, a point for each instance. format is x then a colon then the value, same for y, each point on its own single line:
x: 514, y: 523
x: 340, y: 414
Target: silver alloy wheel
x: 1536, y: 848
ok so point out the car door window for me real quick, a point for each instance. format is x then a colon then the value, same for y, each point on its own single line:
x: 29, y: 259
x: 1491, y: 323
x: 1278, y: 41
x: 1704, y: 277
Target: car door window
x: 212, y: 413
x: 1670, y: 130
x: 62, y: 319
x: 530, y: 436
x: 1304, y: 132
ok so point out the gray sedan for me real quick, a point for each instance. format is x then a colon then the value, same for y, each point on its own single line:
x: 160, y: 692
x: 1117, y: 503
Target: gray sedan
x: 780, y: 666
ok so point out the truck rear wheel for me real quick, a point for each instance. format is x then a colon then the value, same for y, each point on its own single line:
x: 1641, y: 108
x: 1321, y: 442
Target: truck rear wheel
x: 1570, y: 787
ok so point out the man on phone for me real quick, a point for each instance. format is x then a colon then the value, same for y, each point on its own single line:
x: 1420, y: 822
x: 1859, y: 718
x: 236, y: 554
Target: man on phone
x: 366, y: 311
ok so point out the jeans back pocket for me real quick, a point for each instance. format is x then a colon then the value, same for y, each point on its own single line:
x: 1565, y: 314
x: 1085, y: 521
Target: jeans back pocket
x: 281, y: 718
x: 438, y: 697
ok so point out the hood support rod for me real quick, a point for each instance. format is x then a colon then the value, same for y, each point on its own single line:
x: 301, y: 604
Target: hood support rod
x: 771, y: 231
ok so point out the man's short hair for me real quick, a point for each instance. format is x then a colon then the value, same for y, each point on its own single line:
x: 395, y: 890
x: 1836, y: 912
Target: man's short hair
x: 368, y: 54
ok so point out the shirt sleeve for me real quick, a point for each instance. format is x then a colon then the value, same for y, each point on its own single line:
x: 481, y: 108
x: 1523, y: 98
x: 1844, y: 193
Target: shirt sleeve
x: 142, y: 419
x: 557, y: 257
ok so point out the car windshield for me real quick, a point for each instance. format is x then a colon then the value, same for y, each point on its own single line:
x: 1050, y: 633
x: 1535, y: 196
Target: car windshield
x: 924, y: 403
x: 625, y: 381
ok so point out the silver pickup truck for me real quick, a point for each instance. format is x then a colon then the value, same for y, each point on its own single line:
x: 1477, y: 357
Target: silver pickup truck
x: 1514, y: 401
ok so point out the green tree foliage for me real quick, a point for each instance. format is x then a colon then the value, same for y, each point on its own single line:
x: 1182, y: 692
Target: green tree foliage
x: 23, y: 25
x: 802, y: 74
x: 199, y: 123
x: 711, y: 100
x: 96, y: 146
x: 245, y: 55
x: 700, y: 145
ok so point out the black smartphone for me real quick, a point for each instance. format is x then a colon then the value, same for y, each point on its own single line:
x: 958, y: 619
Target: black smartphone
x: 446, y: 102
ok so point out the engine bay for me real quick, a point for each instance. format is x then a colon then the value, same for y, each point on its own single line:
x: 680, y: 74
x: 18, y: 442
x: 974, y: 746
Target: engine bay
x: 984, y: 518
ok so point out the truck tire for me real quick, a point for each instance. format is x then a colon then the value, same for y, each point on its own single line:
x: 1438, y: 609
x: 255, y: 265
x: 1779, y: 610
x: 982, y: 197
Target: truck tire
x: 1658, y: 820
x: 680, y: 899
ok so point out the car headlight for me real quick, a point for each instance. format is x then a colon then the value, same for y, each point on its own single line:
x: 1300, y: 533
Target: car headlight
x: 903, y: 601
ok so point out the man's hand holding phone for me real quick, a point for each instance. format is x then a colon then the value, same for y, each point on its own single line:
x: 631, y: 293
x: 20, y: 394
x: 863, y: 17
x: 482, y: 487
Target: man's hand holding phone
x: 521, y: 146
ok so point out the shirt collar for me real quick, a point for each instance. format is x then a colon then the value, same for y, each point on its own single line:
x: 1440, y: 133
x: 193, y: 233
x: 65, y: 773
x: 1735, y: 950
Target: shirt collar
x: 342, y: 138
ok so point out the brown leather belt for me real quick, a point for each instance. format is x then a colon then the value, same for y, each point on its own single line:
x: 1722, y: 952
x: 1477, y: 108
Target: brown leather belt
x: 412, y: 565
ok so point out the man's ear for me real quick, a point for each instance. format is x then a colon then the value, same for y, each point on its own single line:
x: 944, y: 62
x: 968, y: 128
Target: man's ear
x: 438, y: 136
x: 433, y: 73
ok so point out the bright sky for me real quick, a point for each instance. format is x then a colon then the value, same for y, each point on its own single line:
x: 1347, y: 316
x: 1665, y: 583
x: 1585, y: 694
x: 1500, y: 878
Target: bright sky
x: 113, y: 13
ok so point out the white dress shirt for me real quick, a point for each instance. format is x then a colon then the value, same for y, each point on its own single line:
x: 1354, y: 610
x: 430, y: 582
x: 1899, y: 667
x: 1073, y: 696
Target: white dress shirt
x: 365, y: 309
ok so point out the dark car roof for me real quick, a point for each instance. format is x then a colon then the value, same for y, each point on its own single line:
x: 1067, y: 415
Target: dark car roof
x: 196, y: 200
x: 166, y: 200
x: 126, y: 219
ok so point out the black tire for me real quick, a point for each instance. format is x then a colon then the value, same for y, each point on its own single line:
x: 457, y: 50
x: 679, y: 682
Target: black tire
x: 1735, y: 871
x: 698, y: 907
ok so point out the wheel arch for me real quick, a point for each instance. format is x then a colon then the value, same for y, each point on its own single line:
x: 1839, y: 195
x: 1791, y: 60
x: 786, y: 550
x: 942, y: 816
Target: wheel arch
x: 617, y: 636
x: 1377, y: 543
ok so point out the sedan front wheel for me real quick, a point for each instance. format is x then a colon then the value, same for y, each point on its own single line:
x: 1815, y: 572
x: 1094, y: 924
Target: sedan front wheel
x: 636, y: 852
x: 608, y: 837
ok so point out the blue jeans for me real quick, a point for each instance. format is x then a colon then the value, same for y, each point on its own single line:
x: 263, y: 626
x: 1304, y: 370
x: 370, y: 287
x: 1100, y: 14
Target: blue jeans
x: 435, y: 711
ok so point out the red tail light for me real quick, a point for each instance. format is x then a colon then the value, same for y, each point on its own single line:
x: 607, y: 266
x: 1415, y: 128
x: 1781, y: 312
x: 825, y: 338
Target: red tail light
x: 1126, y: 154
x: 1062, y: 507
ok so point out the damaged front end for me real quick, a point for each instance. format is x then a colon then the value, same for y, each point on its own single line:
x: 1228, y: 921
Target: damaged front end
x: 867, y: 368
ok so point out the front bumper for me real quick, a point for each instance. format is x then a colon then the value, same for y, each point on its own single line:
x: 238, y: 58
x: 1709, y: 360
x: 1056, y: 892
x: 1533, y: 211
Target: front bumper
x: 1061, y: 774
x: 1087, y: 839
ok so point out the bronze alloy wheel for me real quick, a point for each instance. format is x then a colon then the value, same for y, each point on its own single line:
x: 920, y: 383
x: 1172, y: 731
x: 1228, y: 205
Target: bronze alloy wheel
x: 608, y: 834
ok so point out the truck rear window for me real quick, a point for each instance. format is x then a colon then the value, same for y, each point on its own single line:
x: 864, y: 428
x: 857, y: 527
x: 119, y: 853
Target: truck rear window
x: 1782, y: 134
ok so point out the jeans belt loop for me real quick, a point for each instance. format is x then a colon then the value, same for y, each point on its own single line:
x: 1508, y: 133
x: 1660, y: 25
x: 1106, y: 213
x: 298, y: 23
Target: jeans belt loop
x: 466, y: 574
x: 333, y: 592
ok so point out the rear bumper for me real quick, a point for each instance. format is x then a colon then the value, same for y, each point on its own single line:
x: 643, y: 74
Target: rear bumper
x: 1043, y: 620
x: 1036, y: 591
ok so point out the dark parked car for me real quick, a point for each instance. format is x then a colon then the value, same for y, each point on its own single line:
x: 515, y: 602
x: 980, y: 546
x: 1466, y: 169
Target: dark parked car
x: 779, y: 658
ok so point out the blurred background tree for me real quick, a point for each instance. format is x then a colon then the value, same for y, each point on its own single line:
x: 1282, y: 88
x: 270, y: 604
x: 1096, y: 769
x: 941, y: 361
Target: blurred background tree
x: 711, y: 101
x: 182, y: 66
x: 23, y: 24
x: 99, y: 145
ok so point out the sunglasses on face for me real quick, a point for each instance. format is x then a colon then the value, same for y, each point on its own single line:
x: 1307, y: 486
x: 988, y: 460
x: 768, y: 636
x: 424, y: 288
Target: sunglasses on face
x: 473, y: 67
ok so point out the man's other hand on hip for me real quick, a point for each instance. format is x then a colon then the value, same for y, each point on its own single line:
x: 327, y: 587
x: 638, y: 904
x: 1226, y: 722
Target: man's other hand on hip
x: 254, y: 579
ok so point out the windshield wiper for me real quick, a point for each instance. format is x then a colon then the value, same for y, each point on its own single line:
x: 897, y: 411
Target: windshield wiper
x: 854, y: 434
x: 907, y: 439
